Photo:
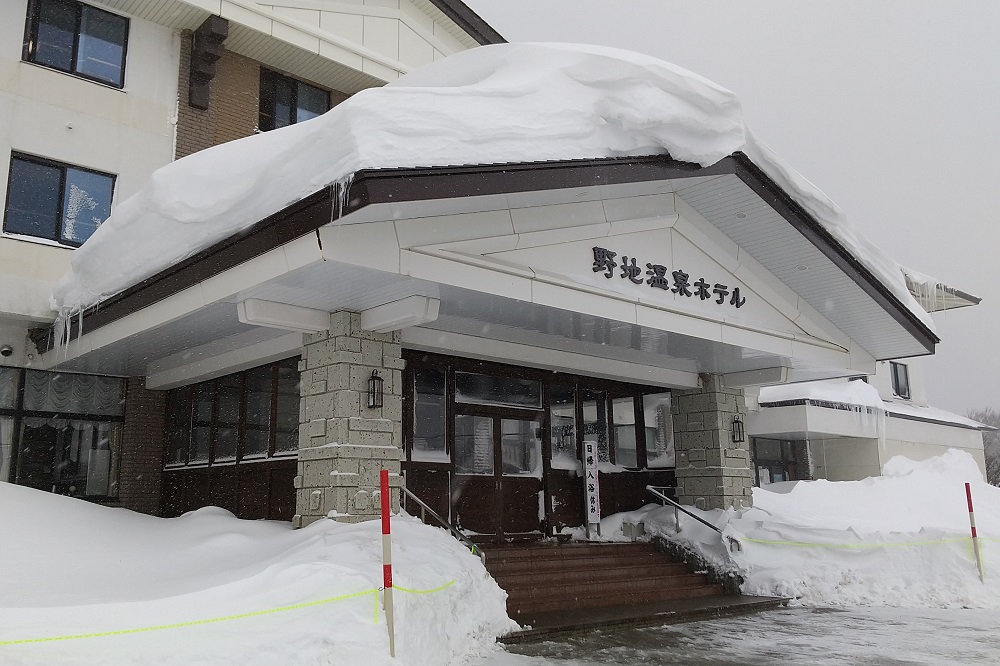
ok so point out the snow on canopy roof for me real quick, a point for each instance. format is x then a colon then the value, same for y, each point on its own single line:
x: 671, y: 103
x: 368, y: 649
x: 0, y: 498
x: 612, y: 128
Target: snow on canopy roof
x: 504, y: 103
x: 861, y: 394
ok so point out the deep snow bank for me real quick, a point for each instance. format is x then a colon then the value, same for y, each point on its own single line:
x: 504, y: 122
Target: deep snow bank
x: 74, y: 568
x: 492, y: 104
x: 896, y: 540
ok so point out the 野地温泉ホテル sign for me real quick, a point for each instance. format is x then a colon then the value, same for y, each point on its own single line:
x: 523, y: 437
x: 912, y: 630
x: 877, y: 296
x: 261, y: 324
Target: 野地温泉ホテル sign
x: 656, y: 277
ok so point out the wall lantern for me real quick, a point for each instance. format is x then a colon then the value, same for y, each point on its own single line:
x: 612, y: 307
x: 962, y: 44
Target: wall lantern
x: 739, y: 435
x: 375, y: 391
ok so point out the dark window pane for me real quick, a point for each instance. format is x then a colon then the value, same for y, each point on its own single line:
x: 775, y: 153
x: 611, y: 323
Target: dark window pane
x: 477, y: 388
x: 8, y: 389
x: 562, y: 419
x: 202, y: 435
x: 77, y: 458
x: 178, y: 427
x: 101, y: 53
x: 282, y: 114
x: 429, y: 416
x: 520, y: 448
x: 623, y: 417
x: 595, y: 421
x: 56, y: 34
x: 311, y: 102
x: 473, y: 445
x: 659, y: 430
x: 228, y: 419
x: 86, y: 203
x: 33, y: 199
x: 258, y: 412
x: 287, y: 427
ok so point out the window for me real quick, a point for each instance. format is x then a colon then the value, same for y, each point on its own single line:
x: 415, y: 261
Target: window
x: 58, y: 202
x: 243, y: 416
x: 286, y: 101
x: 61, y: 432
x: 77, y: 39
x: 900, y: 380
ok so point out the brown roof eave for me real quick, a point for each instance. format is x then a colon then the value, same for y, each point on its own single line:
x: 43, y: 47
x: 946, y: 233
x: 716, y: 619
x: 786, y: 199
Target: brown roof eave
x: 469, y: 21
x: 804, y: 222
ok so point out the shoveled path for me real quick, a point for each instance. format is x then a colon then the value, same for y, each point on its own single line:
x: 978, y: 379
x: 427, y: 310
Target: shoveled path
x: 542, y: 626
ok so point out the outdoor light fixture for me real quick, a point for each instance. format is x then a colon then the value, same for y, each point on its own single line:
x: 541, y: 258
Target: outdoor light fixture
x: 738, y: 433
x: 375, y: 391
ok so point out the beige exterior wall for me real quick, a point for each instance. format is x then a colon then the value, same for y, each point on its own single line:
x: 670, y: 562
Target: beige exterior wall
x: 58, y: 116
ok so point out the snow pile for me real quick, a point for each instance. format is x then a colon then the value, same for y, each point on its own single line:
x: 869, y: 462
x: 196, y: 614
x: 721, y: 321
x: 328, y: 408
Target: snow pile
x: 74, y: 568
x: 901, y: 539
x: 493, y: 104
x: 841, y: 392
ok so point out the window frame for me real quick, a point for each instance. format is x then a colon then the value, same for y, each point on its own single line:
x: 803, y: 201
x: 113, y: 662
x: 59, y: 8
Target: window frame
x: 895, y: 371
x: 186, y: 396
x: 63, y: 167
x: 266, y: 92
x: 29, y: 47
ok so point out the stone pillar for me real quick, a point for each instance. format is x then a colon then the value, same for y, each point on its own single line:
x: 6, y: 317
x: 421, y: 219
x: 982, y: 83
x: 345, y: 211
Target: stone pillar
x: 713, y: 472
x: 343, y: 445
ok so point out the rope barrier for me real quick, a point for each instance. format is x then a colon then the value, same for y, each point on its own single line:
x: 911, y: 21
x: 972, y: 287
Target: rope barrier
x: 238, y: 616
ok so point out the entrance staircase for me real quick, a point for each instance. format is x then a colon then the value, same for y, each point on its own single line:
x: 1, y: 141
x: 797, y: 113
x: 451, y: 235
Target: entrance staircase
x: 542, y: 578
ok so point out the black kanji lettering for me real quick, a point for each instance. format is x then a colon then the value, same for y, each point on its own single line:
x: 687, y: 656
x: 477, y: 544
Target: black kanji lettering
x: 736, y: 300
x: 657, y: 276
x: 701, y: 289
x: 723, y: 291
x: 604, y: 260
x: 681, y: 285
x: 632, y: 272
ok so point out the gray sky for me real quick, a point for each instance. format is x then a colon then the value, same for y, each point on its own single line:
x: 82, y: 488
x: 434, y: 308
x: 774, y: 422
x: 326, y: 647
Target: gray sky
x: 889, y: 106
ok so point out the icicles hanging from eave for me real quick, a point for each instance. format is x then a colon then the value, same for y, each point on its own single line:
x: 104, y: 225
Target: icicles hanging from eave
x: 933, y: 295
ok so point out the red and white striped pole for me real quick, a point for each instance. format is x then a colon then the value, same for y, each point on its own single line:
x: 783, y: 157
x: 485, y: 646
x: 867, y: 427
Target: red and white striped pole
x: 975, y: 537
x: 387, y: 560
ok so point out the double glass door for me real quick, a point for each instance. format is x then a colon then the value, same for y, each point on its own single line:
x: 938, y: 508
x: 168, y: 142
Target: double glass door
x: 497, y: 483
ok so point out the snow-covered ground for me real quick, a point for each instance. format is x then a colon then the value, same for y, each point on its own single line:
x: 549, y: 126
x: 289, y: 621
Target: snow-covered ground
x: 885, y: 558
x: 72, y: 568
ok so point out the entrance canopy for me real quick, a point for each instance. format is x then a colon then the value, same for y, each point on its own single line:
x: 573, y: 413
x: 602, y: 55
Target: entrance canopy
x: 564, y: 207
x: 645, y: 269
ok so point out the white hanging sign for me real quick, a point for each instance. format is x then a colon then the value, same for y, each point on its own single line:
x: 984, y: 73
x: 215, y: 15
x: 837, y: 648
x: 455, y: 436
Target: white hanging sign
x: 591, y: 484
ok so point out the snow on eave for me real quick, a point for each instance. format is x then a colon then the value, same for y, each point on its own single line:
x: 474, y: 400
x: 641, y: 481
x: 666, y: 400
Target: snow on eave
x: 934, y: 295
x: 855, y: 394
x: 505, y: 103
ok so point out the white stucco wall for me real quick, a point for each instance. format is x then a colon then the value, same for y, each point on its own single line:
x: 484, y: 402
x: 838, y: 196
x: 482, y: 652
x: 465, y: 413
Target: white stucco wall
x: 51, y: 114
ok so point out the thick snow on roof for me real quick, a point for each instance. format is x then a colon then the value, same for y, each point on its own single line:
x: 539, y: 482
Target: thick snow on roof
x: 493, y: 104
x: 859, y: 393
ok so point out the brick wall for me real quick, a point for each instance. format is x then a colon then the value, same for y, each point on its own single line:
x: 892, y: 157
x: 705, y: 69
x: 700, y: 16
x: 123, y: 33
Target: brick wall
x: 233, y: 106
x: 141, y: 473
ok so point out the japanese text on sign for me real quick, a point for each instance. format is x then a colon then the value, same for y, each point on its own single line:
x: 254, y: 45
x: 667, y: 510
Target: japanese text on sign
x: 657, y: 277
x: 592, y: 487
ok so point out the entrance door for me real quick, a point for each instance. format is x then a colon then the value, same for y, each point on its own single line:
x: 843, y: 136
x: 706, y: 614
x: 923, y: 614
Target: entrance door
x: 497, y: 483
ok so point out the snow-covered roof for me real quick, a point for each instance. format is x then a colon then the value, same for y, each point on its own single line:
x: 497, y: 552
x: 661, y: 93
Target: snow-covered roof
x: 509, y: 103
x: 860, y: 394
x: 934, y: 295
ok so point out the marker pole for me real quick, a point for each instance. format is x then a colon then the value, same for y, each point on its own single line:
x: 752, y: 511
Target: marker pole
x: 387, y: 560
x: 975, y: 537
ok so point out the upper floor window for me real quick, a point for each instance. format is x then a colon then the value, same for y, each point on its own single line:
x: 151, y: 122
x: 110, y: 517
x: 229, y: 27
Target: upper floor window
x: 78, y: 39
x: 286, y: 101
x: 900, y: 380
x: 55, y: 201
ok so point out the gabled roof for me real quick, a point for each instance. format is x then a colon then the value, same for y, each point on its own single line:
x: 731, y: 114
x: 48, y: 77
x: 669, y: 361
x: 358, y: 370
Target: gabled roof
x: 470, y: 21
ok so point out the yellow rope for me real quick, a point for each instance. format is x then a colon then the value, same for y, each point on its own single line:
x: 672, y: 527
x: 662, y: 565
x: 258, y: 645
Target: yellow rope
x: 238, y: 616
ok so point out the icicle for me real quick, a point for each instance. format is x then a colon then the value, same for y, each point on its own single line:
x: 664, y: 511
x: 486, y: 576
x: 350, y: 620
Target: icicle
x: 341, y: 188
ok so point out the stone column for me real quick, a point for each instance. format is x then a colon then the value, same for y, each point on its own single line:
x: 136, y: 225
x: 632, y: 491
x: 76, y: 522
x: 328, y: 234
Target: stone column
x: 713, y: 472
x: 343, y: 444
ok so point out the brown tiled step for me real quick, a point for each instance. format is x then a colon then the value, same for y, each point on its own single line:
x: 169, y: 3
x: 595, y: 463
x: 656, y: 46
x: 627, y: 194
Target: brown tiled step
x: 550, y: 576
x: 518, y: 607
x: 566, y: 551
x: 583, y: 559
x: 500, y: 568
x: 571, y: 590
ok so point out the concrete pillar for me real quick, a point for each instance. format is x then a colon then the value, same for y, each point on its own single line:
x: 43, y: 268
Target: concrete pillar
x: 343, y: 444
x: 713, y: 472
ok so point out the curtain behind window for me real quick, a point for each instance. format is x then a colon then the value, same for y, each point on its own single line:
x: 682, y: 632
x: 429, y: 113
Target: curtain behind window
x: 72, y: 394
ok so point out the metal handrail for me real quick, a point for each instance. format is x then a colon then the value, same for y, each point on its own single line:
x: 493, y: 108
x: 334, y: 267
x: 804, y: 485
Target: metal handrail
x: 734, y: 545
x: 455, y: 532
